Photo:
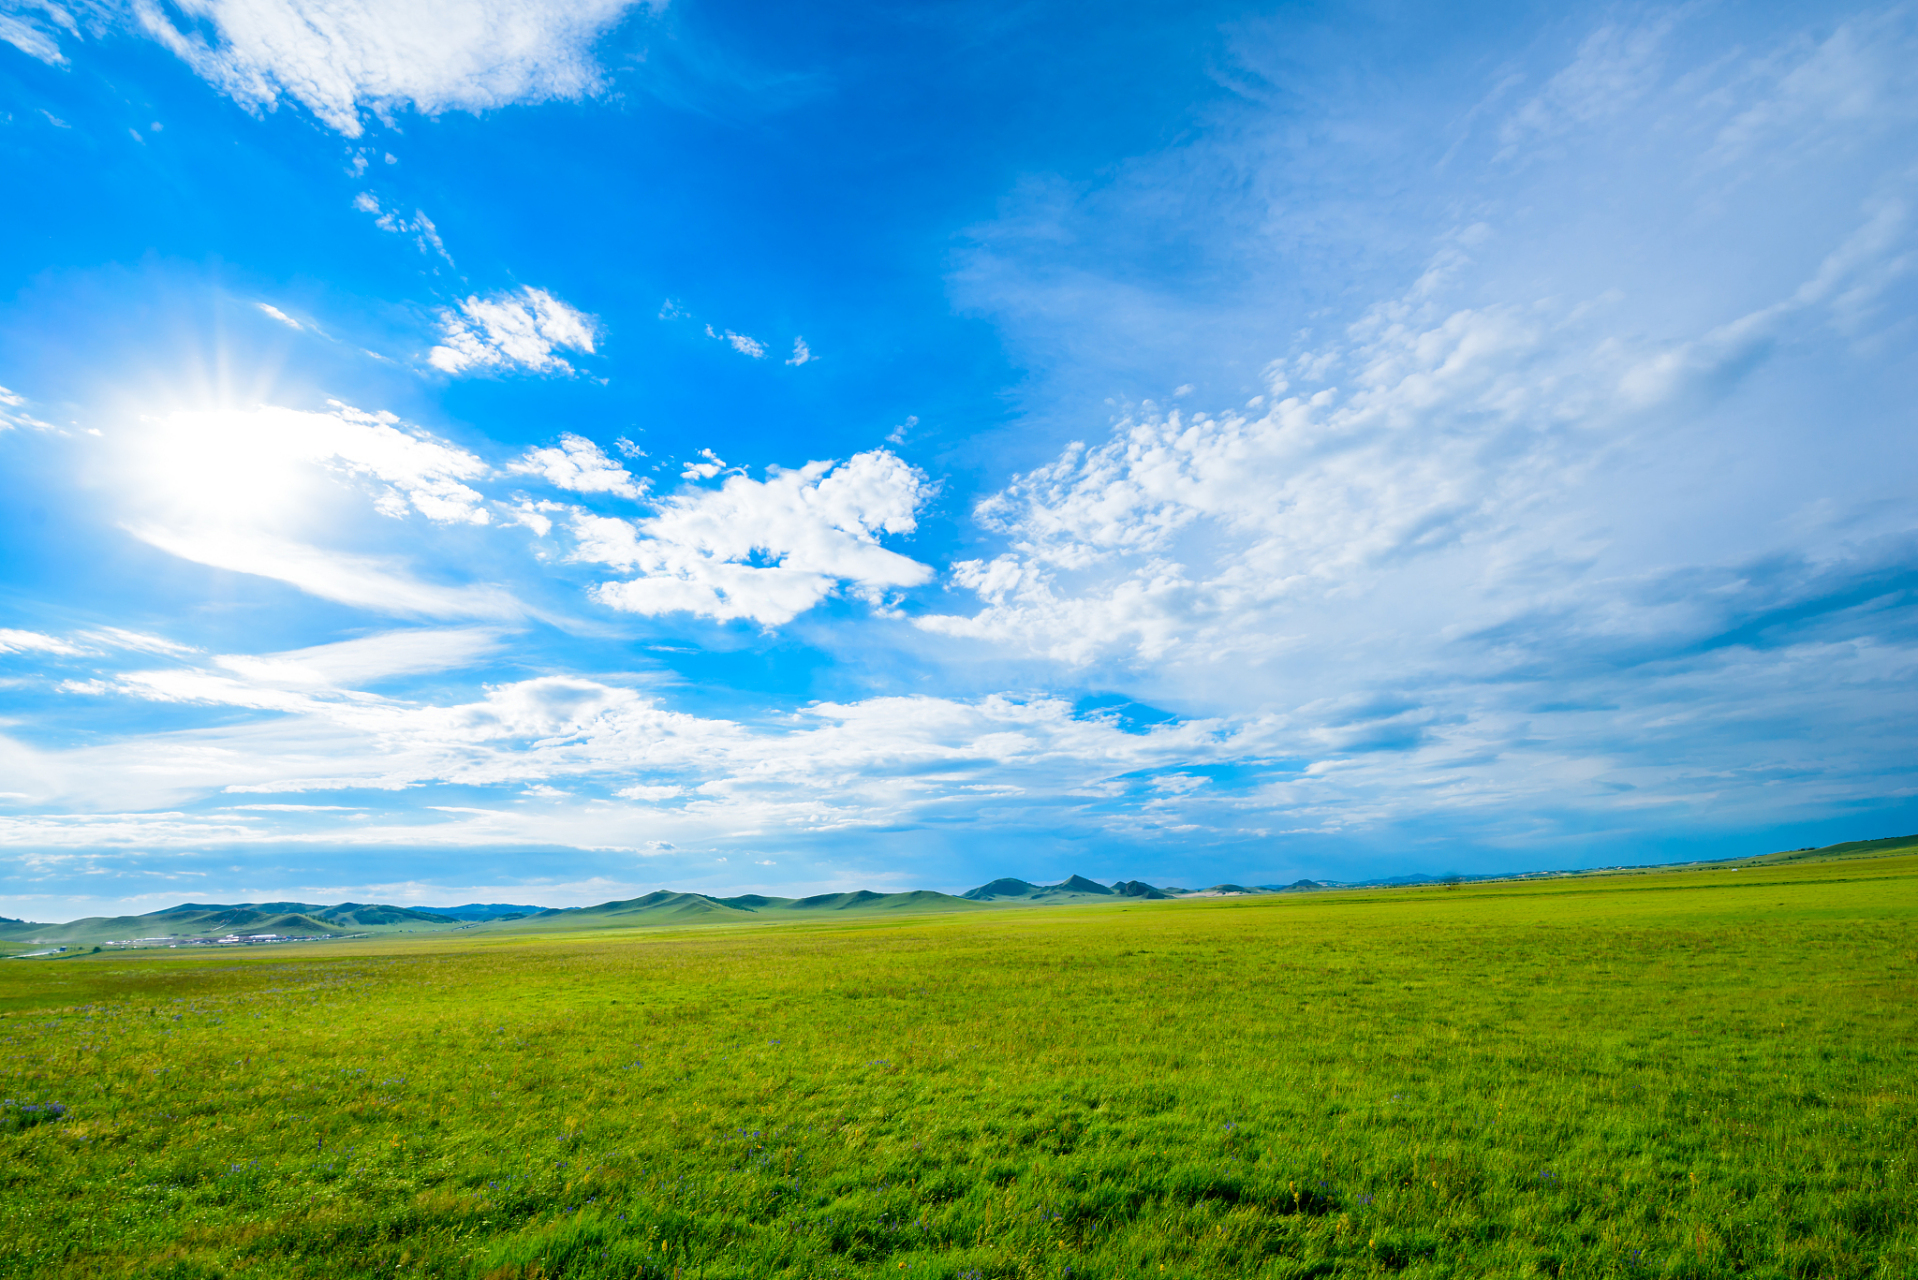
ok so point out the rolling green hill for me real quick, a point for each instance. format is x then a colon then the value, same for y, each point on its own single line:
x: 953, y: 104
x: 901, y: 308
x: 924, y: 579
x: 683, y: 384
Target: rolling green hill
x: 196, y: 921
x: 1071, y: 889
x: 665, y: 907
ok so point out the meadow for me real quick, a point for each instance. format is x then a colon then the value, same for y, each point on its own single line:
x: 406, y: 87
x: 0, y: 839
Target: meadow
x: 1698, y: 1074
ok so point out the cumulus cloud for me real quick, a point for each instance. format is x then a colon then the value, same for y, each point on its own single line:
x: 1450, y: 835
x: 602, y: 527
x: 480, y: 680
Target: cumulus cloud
x: 802, y: 354
x: 511, y: 330
x: 712, y: 466
x: 343, y: 59
x: 581, y: 466
x: 764, y: 549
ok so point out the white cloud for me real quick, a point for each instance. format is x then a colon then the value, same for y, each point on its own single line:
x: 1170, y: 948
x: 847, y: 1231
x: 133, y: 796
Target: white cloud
x: 739, y: 342
x: 382, y: 584
x: 12, y: 641
x: 419, y: 226
x: 1614, y: 67
x: 34, y: 28
x: 356, y: 663
x: 1194, y: 534
x: 285, y: 319
x: 138, y: 642
x: 532, y: 515
x: 765, y: 550
x: 802, y: 354
x: 579, y: 465
x: 243, y: 489
x: 831, y: 767
x: 706, y: 470
x: 641, y: 791
x: 13, y: 413
x: 342, y: 59
x: 512, y: 330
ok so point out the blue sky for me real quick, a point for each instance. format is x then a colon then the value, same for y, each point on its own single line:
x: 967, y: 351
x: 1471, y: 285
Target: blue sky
x: 515, y: 451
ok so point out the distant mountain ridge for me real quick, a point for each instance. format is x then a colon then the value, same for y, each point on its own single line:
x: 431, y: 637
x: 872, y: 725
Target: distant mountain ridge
x: 276, y: 921
x: 199, y: 920
x: 484, y: 911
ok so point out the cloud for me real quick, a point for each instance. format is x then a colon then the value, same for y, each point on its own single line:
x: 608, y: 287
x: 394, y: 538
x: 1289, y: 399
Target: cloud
x: 138, y: 642
x: 706, y: 470
x: 421, y: 227
x: 642, y: 791
x: 383, y: 584
x: 1615, y: 66
x: 739, y: 342
x: 579, y: 465
x: 512, y: 330
x: 285, y: 319
x: 765, y: 550
x: 13, y: 413
x: 832, y: 767
x: 34, y: 28
x: 343, y: 59
x: 370, y: 659
x: 243, y: 490
x: 802, y: 354
x: 229, y: 462
x: 1452, y: 427
x: 13, y: 641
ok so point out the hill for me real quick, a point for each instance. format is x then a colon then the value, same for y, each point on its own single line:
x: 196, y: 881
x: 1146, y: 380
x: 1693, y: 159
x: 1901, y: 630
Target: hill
x: 667, y: 907
x: 475, y: 911
x: 1071, y: 889
x: 193, y: 923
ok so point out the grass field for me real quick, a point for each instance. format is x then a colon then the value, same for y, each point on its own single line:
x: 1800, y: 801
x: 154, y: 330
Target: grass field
x: 1699, y: 1074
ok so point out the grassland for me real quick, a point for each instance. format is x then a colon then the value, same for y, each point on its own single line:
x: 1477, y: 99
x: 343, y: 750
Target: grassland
x: 1698, y: 1074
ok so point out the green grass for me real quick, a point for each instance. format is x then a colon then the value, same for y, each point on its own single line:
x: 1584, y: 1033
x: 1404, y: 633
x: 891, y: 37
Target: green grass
x: 1685, y: 1074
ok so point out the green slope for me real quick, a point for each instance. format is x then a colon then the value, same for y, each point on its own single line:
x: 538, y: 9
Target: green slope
x: 1072, y: 889
x: 666, y: 907
x: 192, y: 921
x: 1850, y: 849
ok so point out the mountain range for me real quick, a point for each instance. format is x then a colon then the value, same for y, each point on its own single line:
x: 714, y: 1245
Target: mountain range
x: 267, y: 922
x: 264, y: 922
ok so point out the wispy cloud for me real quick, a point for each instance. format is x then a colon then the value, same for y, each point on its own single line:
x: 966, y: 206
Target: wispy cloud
x: 269, y: 309
x: 342, y: 60
x: 15, y: 641
x: 13, y: 413
x: 739, y: 342
x: 523, y: 329
x: 34, y: 27
x: 234, y: 489
x: 419, y: 226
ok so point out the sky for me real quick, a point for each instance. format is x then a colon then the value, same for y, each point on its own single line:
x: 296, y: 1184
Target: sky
x: 504, y: 450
